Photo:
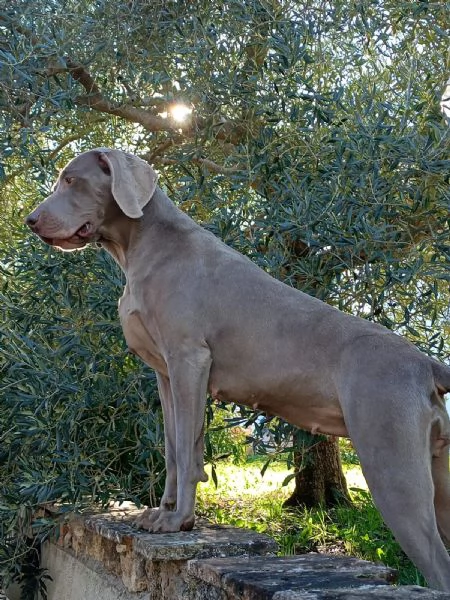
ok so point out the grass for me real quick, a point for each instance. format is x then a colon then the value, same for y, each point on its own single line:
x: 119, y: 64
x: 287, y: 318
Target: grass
x: 244, y: 498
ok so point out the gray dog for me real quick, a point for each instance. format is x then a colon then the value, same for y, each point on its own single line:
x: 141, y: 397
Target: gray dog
x: 209, y: 320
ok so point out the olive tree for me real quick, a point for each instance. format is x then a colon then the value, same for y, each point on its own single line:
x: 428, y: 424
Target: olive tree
x: 307, y: 134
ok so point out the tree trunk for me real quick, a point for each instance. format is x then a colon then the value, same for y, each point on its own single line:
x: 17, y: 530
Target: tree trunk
x: 319, y: 479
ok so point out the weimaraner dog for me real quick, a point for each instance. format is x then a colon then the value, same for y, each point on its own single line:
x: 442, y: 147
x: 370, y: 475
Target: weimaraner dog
x: 208, y: 320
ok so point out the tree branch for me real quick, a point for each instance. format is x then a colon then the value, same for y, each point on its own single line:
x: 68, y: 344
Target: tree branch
x: 213, y: 167
x: 225, y: 130
x: 95, y: 100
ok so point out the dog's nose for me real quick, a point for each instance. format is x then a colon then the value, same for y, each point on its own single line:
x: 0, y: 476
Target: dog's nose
x: 31, y: 220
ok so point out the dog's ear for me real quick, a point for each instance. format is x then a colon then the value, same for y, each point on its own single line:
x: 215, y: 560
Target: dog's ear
x: 133, y: 181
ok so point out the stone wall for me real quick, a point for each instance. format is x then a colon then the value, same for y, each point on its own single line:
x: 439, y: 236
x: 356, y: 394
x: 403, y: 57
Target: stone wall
x: 102, y: 557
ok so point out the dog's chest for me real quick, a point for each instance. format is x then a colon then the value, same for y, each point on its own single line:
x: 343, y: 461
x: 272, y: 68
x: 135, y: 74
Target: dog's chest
x: 137, y: 335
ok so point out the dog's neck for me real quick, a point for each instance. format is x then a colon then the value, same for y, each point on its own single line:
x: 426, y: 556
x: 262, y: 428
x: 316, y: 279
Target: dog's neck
x: 122, y: 236
x: 116, y: 235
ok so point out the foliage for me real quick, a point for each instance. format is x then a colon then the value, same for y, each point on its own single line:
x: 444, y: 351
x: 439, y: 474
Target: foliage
x: 316, y: 145
x: 224, y: 439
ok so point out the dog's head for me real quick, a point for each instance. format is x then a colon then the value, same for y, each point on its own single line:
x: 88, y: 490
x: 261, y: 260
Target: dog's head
x: 91, y: 191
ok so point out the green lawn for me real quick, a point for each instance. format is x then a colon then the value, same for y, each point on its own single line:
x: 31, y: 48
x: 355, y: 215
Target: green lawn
x: 244, y: 498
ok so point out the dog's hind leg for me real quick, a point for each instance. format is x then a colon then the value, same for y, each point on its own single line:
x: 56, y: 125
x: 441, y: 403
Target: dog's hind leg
x: 440, y: 440
x: 392, y: 439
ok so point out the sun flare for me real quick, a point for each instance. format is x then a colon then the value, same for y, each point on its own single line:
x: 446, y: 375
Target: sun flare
x: 180, y: 112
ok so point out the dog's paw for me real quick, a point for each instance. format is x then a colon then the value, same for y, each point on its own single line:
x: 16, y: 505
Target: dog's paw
x: 167, y: 522
x: 145, y: 519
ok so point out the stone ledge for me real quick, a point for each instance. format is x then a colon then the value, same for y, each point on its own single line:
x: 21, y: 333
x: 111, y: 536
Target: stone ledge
x: 306, y: 577
x: 268, y: 578
x: 204, y: 541
x: 102, y: 557
x: 155, y: 563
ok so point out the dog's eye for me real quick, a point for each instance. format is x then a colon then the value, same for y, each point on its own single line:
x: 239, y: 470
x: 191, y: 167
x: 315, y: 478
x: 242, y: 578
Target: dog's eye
x: 69, y: 180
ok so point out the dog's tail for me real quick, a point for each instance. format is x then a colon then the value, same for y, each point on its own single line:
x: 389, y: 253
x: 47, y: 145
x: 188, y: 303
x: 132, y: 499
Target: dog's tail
x: 441, y: 375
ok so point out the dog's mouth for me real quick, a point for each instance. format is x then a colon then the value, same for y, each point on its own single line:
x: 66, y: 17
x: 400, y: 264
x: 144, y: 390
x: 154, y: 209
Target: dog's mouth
x: 85, y: 230
x: 82, y: 236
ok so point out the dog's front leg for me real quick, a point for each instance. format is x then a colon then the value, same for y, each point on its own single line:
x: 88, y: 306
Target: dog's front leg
x: 188, y: 373
x: 169, y: 498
